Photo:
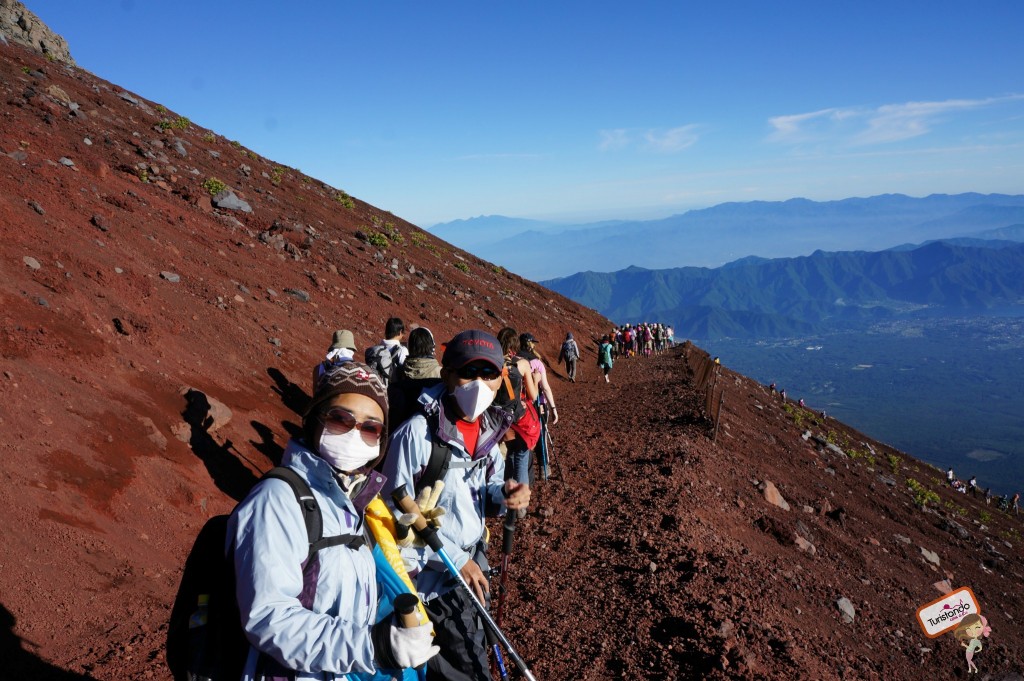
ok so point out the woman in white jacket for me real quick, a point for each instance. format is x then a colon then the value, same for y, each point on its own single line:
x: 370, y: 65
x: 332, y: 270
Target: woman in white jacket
x: 314, y: 618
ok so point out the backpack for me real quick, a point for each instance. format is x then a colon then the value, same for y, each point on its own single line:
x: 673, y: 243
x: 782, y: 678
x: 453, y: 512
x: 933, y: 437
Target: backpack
x: 384, y: 360
x: 509, y: 393
x: 403, y: 398
x: 205, y: 640
x: 570, y: 350
x: 526, y: 422
x: 528, y: 426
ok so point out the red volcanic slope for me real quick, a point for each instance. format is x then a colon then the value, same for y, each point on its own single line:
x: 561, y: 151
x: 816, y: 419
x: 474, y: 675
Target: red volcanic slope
x: 653, y: 554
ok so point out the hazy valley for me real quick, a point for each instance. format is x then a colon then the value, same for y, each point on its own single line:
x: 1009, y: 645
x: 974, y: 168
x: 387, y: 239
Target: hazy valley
x: 920, y: 346
x: 944, y: 390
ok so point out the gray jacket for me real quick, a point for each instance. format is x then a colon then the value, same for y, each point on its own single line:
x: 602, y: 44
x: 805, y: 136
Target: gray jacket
x: 470, y: 485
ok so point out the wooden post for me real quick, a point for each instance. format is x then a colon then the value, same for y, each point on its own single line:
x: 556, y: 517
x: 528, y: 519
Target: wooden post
x: 718, y: 418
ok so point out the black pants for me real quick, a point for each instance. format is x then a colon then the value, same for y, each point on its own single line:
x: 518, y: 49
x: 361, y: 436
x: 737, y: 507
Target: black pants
x: 459, y: 632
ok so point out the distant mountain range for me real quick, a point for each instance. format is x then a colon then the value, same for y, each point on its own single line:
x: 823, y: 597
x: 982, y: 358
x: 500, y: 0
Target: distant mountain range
x: 714, y: 236
x: 819, y: 293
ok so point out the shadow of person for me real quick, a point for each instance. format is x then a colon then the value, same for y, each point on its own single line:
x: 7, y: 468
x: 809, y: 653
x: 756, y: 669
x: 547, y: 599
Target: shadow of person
x: 19, y: 663
x: 292, y: 396
x: 267, y: 446
x: 226, y: 470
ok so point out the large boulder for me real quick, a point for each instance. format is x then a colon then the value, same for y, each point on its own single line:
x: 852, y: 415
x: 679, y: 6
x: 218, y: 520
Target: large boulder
x: 25, y: 28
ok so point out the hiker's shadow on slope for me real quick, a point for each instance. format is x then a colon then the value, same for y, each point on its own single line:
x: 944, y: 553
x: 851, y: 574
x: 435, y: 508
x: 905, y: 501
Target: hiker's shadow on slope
x: 226, y: 470
x: 19, y: 663
x: 293, y: 397
x: 267, y: 445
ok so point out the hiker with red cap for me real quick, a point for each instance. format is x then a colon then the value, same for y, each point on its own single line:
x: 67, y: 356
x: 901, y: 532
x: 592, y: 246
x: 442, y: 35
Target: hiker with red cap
x: 453, y: 442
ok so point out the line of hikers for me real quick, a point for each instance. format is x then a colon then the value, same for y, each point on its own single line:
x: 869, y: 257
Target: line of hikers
x: 1006, y: 502
x: 628, y: 340
x: 319, y: 551
x: 632, y: 340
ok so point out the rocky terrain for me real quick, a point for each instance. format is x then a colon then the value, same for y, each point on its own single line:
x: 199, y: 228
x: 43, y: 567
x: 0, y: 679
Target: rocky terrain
x: 149, y: 266
x: 22, y: 26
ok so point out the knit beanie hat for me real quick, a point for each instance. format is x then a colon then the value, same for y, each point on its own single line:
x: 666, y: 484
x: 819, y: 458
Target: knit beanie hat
x: 342, y: 379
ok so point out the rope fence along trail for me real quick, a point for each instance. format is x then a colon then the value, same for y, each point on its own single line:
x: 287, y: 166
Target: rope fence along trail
x: 704, y: 372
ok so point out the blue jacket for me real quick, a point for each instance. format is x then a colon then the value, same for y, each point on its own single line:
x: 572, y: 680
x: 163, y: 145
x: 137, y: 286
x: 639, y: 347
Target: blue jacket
x: 271, y: 545
x: 470, y: 485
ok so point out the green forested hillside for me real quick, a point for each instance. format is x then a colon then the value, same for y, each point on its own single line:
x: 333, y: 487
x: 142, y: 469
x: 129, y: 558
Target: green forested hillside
x: 823, y: 292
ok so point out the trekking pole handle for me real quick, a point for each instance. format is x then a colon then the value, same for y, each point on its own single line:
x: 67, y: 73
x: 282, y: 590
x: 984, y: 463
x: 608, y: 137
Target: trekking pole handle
x: 405, y: 610
x: 426, y: 532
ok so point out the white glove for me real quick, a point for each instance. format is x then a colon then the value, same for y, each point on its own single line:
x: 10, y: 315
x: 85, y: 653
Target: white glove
x: 427, y: 501
x: 412, y: 647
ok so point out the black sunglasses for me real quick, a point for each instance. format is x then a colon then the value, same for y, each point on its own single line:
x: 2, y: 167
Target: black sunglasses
x: 474, y: 371
x: 339, y: 421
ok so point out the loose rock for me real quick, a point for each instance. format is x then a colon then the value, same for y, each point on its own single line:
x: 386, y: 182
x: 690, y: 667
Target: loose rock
x: 772, y: 496
x: 847, y: 610
x: 805, y: 546
x: 100, y: 223
x: 228, y: 201
x: 930, y: 556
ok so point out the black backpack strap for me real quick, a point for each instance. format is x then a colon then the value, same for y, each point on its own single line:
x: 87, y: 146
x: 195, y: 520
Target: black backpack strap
x: 440, y: 458
x: 352, y: 541
x: 311, y: 515
x: 304, y: 496
x: 394, y: 351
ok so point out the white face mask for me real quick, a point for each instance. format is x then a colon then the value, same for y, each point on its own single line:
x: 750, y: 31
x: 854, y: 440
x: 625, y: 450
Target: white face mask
x: 347, y: 452
x: 473, y: 398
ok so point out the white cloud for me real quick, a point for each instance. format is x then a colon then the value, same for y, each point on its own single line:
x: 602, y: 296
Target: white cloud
x: 789, y: 128
x: 613, y: 140
x: 856, y: 126
x: 672, y: 140
x: 894, y: 122
x: 662, y: 140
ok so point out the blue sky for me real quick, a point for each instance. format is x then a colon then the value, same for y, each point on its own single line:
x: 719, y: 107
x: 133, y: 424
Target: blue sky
x: 584, y: 110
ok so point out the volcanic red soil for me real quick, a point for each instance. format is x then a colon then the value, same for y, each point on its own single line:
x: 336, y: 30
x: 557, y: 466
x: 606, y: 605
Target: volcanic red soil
x: 651, y: 553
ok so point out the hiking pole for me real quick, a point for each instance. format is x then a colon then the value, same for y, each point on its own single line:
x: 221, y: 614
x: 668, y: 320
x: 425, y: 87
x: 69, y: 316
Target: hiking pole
x: 428, y: 534
x: 508, y: 529
x: 543, y: 413
x: 405, y: 609
x: 549, y: 444
x: 499, y: 661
